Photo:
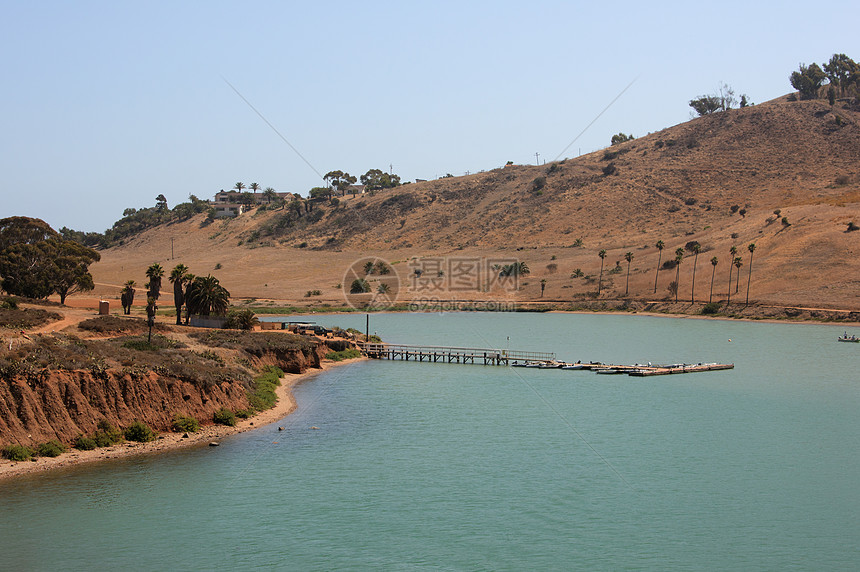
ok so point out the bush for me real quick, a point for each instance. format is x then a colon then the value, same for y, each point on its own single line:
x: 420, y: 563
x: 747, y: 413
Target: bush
x: 84, y: 443
x: 342, y: 355
x: 262, y: 394
x: 852, y: 226
x: 711, y: 308
x: 10, y: 303
x: 140, y: 432
x: 240, y: 320
x: 52, y: 448
x: 106, y: 434
x: 610, y: 169
x: 224, y: 417
x: 17, y: 452
x: 690, y: 201
x: 182, y: 424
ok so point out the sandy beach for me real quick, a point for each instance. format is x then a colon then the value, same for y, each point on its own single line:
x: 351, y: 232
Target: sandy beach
x: 169, y: 441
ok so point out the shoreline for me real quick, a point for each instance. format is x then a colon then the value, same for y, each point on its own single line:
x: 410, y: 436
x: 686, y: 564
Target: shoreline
x: 170, y: 441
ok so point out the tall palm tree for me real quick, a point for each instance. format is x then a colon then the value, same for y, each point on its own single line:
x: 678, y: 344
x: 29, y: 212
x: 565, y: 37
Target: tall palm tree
x: 751, y: 248
x: 733, y: 251
x: 696, y: 249
x: 269, y: 194
x: 177, y: 278
x: 239, y: 186
x: 254, y: 187
x: 188, y: 280
x: 127, y: 296
x: 660, y: 245
x: 151, y: 309
x: 155, y: 273
x: 629, y: 258
x: 542, y: 286
x: 679, y: 256
x: 602, y: 255
x: 207, y: 297
x: 714, y: 262
x: 738, y: 263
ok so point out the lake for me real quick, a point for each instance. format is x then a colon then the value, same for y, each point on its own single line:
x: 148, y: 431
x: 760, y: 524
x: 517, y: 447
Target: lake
x: 402, y: 466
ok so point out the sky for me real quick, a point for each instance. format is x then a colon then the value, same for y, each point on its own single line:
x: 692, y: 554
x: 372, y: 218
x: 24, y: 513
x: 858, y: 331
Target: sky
x: 105, y: 105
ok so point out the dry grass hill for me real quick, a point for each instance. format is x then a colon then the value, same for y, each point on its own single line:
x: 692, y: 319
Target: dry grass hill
x: 685, y: 183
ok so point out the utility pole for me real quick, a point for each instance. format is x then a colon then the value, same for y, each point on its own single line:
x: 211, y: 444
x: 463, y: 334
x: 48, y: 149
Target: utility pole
x: 537, y: 161
x: 171, y: 248
x: 367, y: 330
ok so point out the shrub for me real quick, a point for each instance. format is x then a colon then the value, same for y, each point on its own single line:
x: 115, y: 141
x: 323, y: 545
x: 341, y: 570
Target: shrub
x: 84, y: 443
x: 577, y: 273
x: 690, y: 201
x: 10, y: 303
x: 224, y: 417
x: 52, y: 448
x: 140, y: 432
x: 240, y: 320
x: 185, y: 424
x: 852, y: 226
x: 711, y: 308
x: 552, y: 267
x: 735, y: 208
x: 672, y: 288
x: 610, y: 169
x: 17, y: 452
x: 261, y: 395
x: 106, y: 434
x: 842, y: 180
x: 244, y: 413
x: 785, y: 221
x: 310, y: 293
x: 342, y: 355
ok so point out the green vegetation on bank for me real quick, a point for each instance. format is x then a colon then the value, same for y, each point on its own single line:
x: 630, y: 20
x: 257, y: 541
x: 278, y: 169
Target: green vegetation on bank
x: 261, y: 394
x: 343, y: 355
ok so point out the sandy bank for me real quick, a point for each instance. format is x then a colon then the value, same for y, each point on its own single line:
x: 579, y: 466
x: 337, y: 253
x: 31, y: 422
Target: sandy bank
x: 169, y: 441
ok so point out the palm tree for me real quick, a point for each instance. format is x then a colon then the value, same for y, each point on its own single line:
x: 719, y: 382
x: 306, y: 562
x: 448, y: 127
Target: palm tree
x: 733, y: 251
x: 696, y: 249
x: 629, y: 258
x: 254, y: 187
x: 207, y: 297
x: 239, y: 186
x: 751, y: 248
x: 151, y: 309
x: 177, y: 278
x: 269, y: 194
x: 155, y: 272
x: 187, y: 281
x: 738, y: 263
x: 660, y: 245
x: 127, y: 296
x: 542, y: 286
x: 679, y: 256
x: 714, y: 262
x: 602, y: 255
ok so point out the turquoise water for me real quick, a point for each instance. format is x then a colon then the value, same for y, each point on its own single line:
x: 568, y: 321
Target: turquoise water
x: 453, y: 467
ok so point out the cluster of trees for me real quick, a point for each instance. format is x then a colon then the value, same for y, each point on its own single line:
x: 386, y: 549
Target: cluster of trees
x: 135, y: 221
x: 723, y: 100
x: 695, y: 248
x: 840, y: 73
x: 198, y: 295
x: 36, y: 261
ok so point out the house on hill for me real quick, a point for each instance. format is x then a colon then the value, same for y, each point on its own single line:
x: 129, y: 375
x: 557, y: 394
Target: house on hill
x: 233, y: 203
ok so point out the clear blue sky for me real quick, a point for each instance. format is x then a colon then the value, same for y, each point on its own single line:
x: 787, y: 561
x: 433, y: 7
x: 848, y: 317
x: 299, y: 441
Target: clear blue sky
x: 107, y: 104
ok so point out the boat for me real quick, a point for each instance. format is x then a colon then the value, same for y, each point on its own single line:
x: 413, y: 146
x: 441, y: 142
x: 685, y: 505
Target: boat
x: 573, y: 366
x: 610, y: 371
x: 846, y: 338
x: 550, y: 365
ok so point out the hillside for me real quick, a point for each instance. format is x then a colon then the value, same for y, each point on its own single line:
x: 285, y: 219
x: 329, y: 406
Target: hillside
x: 685, y: 183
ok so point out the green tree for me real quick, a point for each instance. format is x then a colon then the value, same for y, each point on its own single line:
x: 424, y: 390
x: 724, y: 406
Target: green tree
x: 241, y: 319
x: 177, y: 278
x: 705, y: 104
x: 161, y: 203
x: 126, y: 296
x: 751, y: 248
x: 842, y: 72
x: 714, y: 262
x: 660, y: 246
x: 679, y: 256
x: 696, y: 248
x: 269, y: 194
x: 621, y: 138
x: 807, y: 80
x: 629, y: 258
x: 239, y: 186
x: 733, y: 251
x: 207, y: 297
x: 254, y: 188
x: 375, y: 179
x: 70, y: 272
x: 602, y: 255
x: 188, y: 280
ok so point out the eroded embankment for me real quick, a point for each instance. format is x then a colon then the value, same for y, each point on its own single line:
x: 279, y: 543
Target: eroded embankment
x: 40, y: 401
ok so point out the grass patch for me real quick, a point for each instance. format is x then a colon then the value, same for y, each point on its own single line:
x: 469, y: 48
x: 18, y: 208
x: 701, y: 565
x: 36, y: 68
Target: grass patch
x: 182, y: 424
x: 52, y: 448
x: 261, y: 395
x: 224, y: 417
x: 343, y: 354
x: 17, y: 452
x: 140, y: 432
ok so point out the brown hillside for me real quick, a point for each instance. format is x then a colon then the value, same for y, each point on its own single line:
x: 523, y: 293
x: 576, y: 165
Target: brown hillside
x: 676, y: 185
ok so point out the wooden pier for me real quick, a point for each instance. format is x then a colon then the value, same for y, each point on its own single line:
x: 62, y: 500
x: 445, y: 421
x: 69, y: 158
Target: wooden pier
x: 442, y: 354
